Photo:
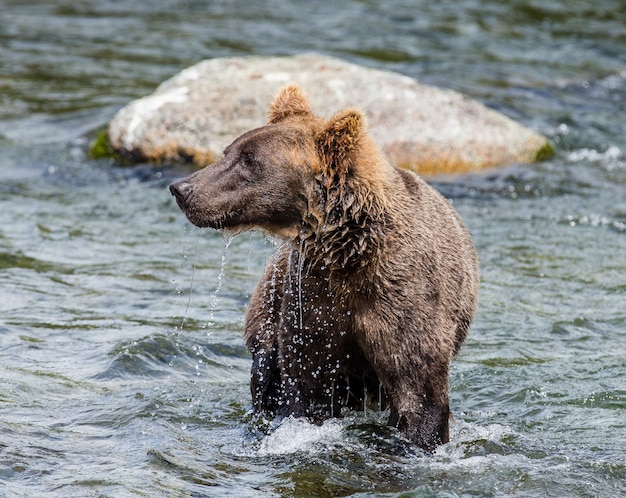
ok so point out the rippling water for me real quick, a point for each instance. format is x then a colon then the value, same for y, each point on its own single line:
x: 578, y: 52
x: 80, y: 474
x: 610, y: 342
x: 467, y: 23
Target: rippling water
x: 122, y: 366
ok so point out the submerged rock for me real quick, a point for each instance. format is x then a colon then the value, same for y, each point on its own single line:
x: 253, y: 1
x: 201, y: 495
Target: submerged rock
x: 193, y: 116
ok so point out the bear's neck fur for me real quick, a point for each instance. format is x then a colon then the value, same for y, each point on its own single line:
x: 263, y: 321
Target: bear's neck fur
x: 343, y: 231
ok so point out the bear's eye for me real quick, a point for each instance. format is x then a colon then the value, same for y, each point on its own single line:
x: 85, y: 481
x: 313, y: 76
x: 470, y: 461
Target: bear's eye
x: 251, y: 166
x: 251, y: 161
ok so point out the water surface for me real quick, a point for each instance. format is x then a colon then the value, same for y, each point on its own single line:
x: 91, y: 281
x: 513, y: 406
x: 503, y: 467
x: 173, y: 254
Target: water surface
x: 123, y: 371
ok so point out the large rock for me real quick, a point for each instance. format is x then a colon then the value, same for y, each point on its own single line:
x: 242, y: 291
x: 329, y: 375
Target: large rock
x: 193, y: 116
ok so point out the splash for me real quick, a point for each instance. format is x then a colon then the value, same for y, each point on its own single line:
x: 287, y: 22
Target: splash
x: 179, y: 330
x: 470, y: 442
x: 278, y: 248
x: 299, y: 435
x: 299, y: 282
x: 215, y: 299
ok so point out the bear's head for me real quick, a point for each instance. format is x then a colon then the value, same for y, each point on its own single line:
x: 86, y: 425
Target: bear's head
x: 279, y: 175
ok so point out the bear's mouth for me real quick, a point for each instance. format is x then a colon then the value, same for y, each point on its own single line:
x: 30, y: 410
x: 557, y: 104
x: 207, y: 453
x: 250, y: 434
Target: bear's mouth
x: 229, y: 221
x: 184, y: 194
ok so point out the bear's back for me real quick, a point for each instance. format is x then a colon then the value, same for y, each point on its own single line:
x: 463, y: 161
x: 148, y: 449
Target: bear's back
x: 439, y: 246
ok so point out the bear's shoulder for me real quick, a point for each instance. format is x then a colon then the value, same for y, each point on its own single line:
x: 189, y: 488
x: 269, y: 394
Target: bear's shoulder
x: 417, y: 190
x: 413, y: 183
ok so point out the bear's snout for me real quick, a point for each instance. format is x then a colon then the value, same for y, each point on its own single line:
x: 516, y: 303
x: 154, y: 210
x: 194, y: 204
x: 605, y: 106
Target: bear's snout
x: 182, y: 190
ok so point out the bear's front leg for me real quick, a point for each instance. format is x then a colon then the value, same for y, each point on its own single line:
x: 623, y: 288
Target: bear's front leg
x: 309, y: 371
x: 315, y: 356
x: 261, y: 332
x: 425, y: 423
x: 303, y: 395
x: 265, y: 382
x: 412, y: 359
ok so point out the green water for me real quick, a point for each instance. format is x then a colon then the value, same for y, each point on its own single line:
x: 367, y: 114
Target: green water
x: 122, y: 366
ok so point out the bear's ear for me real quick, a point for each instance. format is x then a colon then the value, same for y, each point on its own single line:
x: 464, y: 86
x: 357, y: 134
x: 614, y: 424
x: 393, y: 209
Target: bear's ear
x: 289, y: 101
x: 340, y: 140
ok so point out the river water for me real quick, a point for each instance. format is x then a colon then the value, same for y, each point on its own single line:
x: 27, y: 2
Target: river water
x: 122, y: 366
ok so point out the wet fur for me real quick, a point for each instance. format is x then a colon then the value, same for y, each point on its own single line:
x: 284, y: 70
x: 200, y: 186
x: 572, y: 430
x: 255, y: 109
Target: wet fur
x: 375, y: 287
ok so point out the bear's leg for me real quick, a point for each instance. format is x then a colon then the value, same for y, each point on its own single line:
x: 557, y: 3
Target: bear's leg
x: 315, y: 374
x: 307, y: 388
x: 261, y: 332
x: 265, y: 381
x: 422, y: 418
x: 428, y: 429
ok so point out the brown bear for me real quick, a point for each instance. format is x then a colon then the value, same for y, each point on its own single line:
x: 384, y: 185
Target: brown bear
x: 374, y: 288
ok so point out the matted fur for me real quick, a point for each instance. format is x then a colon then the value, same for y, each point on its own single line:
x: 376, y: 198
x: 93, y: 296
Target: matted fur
x: 375, y: 287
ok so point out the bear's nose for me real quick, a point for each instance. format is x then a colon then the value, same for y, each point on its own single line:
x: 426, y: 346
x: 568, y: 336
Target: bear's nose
x: 182, y: 191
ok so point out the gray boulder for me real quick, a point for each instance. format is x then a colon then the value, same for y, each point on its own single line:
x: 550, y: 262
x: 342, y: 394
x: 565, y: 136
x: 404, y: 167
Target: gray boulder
x: 193, y: 116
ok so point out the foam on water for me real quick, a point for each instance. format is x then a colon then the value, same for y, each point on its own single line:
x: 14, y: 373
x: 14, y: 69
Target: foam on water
x: 610, y: 158
x: 293, y: 435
